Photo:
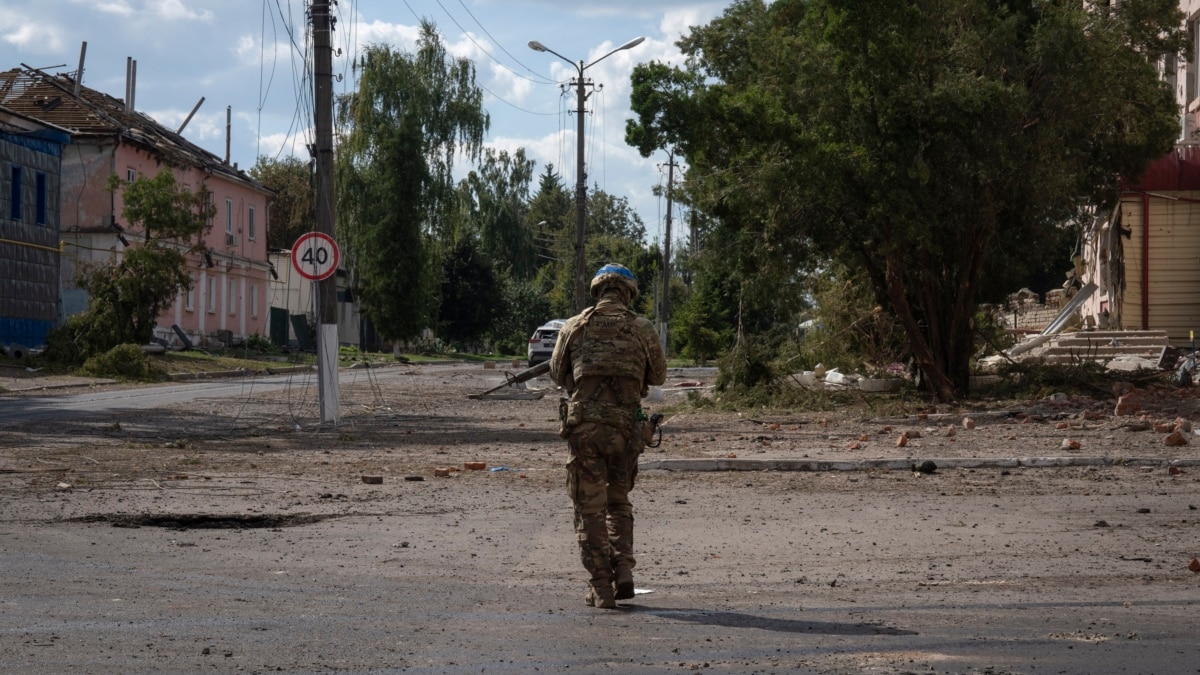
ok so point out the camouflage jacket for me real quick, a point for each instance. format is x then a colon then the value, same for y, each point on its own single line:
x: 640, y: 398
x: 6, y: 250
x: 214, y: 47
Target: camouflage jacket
x: 630, y: 362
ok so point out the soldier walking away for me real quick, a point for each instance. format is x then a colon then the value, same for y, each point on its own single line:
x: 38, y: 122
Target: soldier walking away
x: 606, y: 358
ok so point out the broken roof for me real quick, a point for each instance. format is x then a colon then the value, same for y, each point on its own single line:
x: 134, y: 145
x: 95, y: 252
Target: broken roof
x: 51, y: 99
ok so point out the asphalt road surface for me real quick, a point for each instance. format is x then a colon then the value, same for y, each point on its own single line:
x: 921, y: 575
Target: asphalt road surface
x: 135, y: 551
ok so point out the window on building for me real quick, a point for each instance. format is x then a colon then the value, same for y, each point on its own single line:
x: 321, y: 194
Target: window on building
x: 130, y: 175
x: 228, y: 216
x: 233, y: 297
x: 211, y: 300
x: 189, y: 299
x: 40, y: 204
x: 14, y: 203
x: 254, y: 300
x: 250, y: 226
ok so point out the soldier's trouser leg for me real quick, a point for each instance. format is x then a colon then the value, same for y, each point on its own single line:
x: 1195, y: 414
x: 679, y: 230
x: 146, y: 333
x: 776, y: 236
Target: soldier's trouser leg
x: 620, y: 511
x: 586, y: 482
x: 622, y: 470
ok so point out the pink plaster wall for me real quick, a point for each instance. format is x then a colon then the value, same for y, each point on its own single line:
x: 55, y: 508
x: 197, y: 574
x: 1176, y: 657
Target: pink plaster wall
x: 240, y: 272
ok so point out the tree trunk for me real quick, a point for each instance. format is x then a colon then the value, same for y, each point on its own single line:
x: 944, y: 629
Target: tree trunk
x: 935, y: 376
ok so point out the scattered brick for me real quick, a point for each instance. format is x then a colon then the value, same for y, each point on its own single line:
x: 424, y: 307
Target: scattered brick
x: 1175, y: 439
x: 1126, y: 406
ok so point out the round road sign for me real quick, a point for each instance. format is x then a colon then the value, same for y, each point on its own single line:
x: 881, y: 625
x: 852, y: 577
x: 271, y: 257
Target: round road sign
x: 315, y: 256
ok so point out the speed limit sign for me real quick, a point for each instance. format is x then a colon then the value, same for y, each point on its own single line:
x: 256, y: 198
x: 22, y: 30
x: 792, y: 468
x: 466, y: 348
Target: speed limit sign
x: 315, y: 256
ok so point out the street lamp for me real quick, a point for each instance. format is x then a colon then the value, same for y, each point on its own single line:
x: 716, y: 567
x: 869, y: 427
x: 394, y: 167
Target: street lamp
x: 581, y: 85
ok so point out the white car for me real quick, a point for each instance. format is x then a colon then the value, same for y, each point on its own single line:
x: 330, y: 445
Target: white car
x: 541, y: 344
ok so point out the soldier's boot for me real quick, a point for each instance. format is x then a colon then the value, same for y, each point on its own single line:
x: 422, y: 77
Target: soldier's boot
x: 600, y: 595
x: 624, y: 583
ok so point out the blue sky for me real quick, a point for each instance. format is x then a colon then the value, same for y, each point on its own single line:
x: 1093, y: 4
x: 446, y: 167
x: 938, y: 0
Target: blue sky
x: 240, y: 53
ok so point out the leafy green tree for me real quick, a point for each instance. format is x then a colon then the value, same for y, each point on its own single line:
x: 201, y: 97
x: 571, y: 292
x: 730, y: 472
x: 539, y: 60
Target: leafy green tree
x: 470, y: 295
x: 291, y: 211
x: 615, y: 233
x: 914, y: 141
x: 399, y: 136
x: 550, y: 211
x: 495, y: 198
x: 662, y: 95
x: 608, y: 215
x: 525, y: 306
x: 127, y: 295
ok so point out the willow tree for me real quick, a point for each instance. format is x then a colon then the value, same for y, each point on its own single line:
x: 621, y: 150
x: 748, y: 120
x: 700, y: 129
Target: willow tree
x: 399, y: 134
x: 925, y: 143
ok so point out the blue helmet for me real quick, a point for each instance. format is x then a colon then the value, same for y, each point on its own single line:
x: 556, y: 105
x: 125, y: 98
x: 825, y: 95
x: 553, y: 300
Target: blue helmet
x: 614, y: 273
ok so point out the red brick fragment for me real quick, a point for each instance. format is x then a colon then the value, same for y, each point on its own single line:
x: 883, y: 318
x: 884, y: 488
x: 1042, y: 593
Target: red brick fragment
x: 1175, y: 439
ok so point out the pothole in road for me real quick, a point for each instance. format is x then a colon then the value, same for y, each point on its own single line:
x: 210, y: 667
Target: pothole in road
x: 204, y: 521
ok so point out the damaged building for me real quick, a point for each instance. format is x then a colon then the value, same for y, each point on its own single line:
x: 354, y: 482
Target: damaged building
x: 227, y: 300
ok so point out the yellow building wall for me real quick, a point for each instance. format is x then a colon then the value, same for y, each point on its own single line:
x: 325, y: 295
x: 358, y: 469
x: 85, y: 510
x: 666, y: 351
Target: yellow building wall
x: 1174, y: 265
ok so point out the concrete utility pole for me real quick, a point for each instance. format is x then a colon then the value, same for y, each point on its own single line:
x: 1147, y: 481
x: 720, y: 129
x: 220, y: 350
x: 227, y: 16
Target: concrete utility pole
x: 326, y: 295
x: 581, y: 284
x: 581, y: 84
x: 665, y: 301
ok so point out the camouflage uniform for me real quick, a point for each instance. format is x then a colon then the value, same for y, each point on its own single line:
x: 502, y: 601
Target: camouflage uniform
x: 606, y: 358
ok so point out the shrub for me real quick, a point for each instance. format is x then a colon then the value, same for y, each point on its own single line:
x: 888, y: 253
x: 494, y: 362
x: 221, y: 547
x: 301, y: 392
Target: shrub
x: 70, y: 344
x: 260, y: 343
x: 126, y: 362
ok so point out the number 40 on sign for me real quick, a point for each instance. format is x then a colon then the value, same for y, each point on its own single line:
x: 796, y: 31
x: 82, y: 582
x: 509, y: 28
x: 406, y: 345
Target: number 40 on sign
x: 315, y: 256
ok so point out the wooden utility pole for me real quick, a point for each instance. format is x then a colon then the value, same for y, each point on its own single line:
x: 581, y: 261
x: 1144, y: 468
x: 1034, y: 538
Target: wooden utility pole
x: 665, y: 301
x: 326, y: 295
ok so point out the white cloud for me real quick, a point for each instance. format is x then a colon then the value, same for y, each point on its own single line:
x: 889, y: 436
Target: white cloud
x: 678, y: 22
x: 284, y: 145
x: 247, y: 49
x: 508, y: 85
x: 118, y: 7
x: 397, y: 35
x: 35, y: 36
x: 176, y: 10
